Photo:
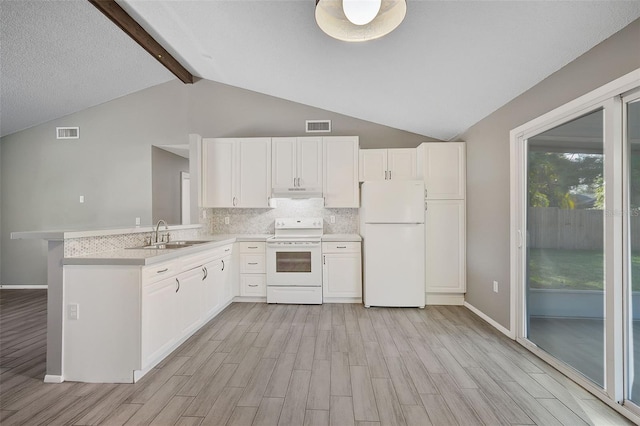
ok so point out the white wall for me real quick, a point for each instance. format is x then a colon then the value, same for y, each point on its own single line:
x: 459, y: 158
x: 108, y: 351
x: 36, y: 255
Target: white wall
x: 488, y: 204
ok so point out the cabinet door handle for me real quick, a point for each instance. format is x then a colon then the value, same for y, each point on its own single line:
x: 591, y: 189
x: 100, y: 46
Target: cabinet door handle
x: 252, y: 263
x: 178, y: 282
x: 385, y: 175
x: 223, y: 265
x: 204, y: 270
x: 324, y: 260
x: 162, y: 271
x: 389, y: 174
x: 227, y: 249
x: 235, y: 201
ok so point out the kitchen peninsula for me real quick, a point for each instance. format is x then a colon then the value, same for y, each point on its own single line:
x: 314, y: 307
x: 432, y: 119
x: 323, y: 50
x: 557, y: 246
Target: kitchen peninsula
x: 114, y: 312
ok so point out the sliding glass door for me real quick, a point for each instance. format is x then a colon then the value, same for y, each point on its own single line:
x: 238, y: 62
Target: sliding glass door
x: 564, y: 278
x: 632, y: 244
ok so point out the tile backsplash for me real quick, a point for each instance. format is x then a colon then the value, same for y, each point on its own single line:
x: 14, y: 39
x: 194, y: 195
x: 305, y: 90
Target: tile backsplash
x: 261, y: 221
x: 98, y: 244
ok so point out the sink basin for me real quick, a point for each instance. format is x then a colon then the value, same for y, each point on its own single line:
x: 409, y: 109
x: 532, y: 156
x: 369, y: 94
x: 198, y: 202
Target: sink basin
x: 170, y: 245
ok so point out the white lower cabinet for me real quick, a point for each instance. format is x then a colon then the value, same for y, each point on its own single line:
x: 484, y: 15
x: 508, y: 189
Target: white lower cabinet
x: 190, y: 303
x: 445, y: 251
x: 253, y: 285
x: 341, y: 272
x: 159, y: 313
x: 212, y: 291
x: 253, y: 278
x: 131, y: 317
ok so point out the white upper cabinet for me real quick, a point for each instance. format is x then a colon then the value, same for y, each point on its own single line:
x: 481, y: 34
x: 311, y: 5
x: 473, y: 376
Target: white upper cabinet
x: 254, y: 174
x: 236, y: 172
x: 401, y: 164
x: 218, y: 158
x: 340, y: 159
x: 296, y: 163
x: 373, y: 164
x: 387, y: 164
x: 283, y: 157
x: 442, y: 166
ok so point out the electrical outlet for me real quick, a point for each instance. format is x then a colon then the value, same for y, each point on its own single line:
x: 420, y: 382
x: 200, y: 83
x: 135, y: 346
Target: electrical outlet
x: 495, y: 286
x: 226, y: 220
x: 137, y: 221
x: 82, y: 199
x: 332, y: 219
x: 74, y: 311
x: 204, y: 214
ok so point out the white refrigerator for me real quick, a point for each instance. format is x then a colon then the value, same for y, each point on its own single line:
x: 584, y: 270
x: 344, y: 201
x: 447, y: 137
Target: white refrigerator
x: 392, y: 226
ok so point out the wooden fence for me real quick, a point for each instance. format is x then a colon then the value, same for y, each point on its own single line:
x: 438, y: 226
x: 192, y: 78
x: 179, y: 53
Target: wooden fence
x: 554, y: 228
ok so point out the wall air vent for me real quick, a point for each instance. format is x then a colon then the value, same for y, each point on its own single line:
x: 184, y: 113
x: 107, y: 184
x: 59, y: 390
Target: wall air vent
x: 318, y: 126
x: 67, y: 132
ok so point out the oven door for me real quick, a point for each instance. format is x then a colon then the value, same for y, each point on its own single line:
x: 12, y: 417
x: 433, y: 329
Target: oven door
x: 294, y: 264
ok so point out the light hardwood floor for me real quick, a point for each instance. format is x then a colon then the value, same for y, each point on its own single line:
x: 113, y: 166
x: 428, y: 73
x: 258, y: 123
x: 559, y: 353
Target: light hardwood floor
x: 259, y: 364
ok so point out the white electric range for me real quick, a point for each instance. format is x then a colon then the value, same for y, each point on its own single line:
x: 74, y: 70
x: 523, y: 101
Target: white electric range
x: 294, y: 261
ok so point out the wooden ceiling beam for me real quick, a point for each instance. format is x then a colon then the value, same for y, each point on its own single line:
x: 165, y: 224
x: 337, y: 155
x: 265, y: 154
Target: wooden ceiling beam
x: 122, y: 19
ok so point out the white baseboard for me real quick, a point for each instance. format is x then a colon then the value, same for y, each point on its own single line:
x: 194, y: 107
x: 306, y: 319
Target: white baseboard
x: 491, y: 321
x: 250, y: 299
x: 23, y: 287
x: 51, y: 378
x: 342, y: 300
x: 444, y: 299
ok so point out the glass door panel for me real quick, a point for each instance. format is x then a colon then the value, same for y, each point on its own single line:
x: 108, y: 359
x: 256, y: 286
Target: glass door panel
x: 565, y: 251
x: 633, y: 261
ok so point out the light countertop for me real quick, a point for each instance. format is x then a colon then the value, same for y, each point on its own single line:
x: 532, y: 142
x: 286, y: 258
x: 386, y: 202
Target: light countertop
x: 62, y: 234
x: 142, y: 257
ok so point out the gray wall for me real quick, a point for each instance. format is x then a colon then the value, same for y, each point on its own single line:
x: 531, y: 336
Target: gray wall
x: 110, y: 164
x: 218, y: 110
x: 488, y: 207
x: 166, y: 184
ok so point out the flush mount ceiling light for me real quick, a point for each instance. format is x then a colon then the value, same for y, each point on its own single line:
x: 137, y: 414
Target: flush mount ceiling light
x: 359, y: 20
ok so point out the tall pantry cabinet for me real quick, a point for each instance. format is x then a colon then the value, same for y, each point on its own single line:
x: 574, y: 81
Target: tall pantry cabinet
x: 442, y: 165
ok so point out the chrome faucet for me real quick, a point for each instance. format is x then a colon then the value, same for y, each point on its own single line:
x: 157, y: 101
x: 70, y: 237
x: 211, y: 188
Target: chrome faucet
x: 158, y: 228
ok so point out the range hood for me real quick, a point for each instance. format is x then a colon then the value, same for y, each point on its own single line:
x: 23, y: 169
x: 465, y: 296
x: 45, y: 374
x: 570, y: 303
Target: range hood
x: 297, y: 192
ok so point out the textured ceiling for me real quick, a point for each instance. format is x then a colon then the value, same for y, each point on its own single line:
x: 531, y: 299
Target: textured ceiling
x: 447, y: 66
x: 59, y: 57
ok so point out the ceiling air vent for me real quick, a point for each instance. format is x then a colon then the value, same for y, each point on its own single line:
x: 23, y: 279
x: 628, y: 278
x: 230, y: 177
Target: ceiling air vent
x: 67, y: 132
x: 318, y: 126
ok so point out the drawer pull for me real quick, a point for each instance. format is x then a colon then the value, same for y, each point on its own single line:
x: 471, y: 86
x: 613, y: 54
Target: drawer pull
x: 253, y: 285
x: 223, y: 265
x: 227, y: 249
x: 341, y: 246
x: 253, y: 263
x: 252, y: 247
x: 178, y: 282
x: 162, y: 271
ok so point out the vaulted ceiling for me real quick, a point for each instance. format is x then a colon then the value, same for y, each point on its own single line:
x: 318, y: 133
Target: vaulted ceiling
x: 447, y: 66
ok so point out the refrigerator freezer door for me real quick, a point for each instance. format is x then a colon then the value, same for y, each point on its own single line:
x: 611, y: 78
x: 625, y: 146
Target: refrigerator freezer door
x: 393, y: 202
x: 394, y: 265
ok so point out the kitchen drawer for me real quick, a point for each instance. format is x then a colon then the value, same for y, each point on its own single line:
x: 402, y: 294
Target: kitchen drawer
x: 252, y: 247
x: 159, y: 271
x: 340, y: 247
x: 252, y: 264
x: 253, y: 285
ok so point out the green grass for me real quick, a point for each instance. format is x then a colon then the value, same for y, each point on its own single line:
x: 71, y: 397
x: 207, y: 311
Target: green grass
x: 573, y: 269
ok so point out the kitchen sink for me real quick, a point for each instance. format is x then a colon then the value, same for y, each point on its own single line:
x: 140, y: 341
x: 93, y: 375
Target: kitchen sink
x: 170, y: 245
